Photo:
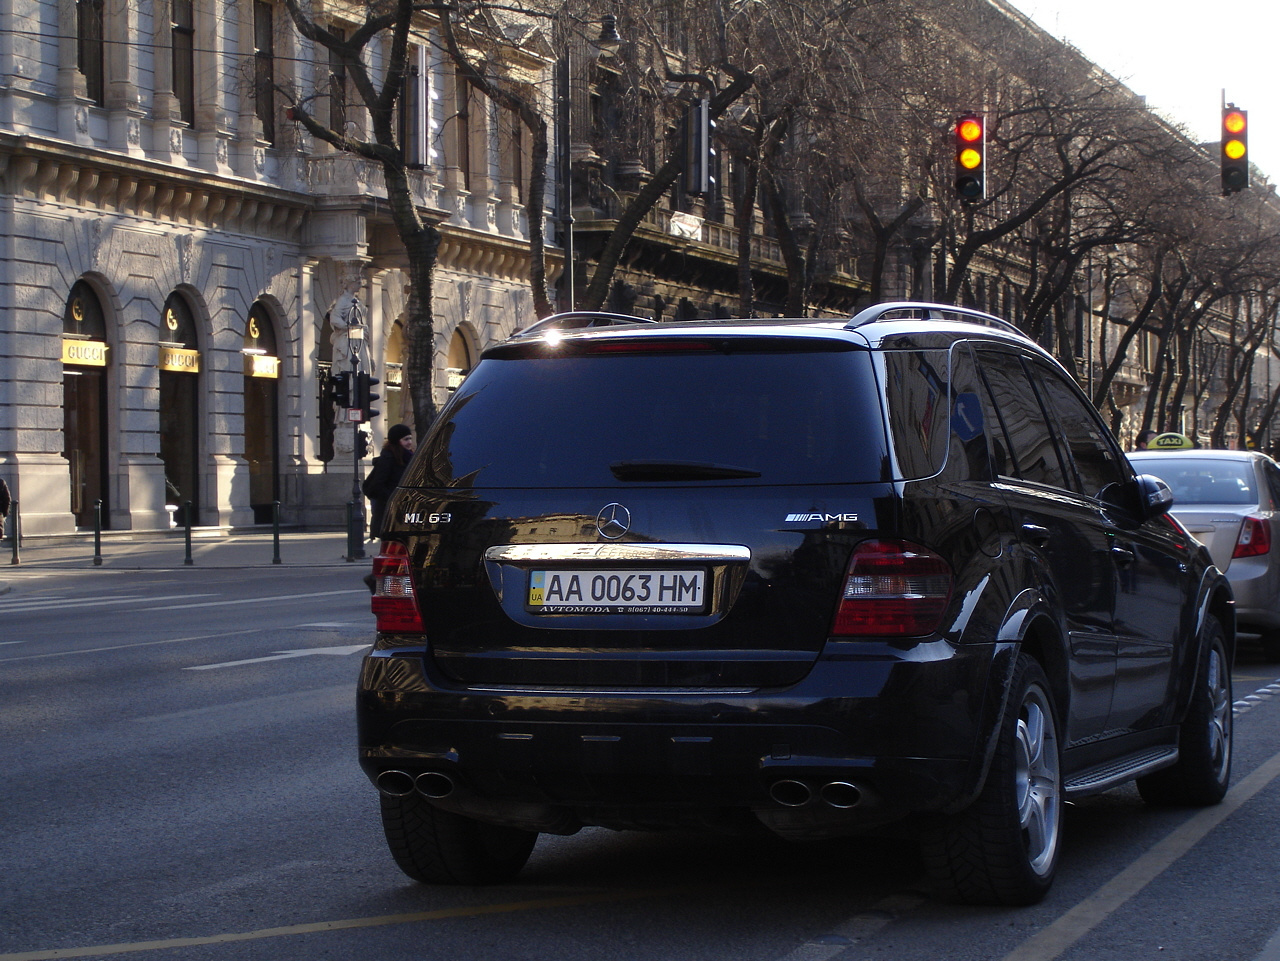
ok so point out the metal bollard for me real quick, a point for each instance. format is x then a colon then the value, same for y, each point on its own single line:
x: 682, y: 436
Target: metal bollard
x: 275, y: 531
x: 16, y: 533
x: 97, y: 533
x: 353, y: 536
x: 187, y: 511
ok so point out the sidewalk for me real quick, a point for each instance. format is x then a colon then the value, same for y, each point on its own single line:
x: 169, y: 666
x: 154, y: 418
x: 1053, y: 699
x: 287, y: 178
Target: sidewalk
x: 167, y: 550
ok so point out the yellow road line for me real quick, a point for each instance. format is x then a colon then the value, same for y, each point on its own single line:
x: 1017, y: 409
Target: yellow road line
x: 1053, y: 941
x: 290, y: 930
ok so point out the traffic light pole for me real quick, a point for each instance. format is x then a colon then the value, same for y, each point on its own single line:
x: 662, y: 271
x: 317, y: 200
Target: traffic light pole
x: 355, y: 509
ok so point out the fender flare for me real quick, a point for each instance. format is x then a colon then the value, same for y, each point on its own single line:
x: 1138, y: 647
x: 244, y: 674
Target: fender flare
x: 1214, y: 599
x: 1028, y: 608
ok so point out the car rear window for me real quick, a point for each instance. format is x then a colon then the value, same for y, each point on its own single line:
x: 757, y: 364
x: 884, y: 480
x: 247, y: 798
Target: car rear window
x: 1204, y: 481
x: 619, y: 418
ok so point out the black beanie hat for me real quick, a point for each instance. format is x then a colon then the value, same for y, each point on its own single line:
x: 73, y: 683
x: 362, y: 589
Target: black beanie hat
x: 398, y: 431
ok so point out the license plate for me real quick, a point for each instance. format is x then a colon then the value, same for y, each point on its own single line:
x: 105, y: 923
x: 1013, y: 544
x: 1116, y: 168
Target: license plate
x: 617, y: 592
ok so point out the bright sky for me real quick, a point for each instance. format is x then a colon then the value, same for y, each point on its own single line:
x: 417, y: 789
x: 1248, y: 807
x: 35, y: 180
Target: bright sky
x: 1181, y: 56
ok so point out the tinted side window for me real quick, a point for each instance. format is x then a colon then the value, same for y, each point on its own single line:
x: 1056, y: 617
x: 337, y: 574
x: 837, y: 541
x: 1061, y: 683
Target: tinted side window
x: 970, y: 455
x: 1032, y: 454
x: 1076, y: 425
x: 936, y: 414
x: 917, y: 388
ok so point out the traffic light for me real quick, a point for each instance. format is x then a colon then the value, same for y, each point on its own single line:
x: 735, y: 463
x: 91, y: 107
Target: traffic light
x: 700, y: 150
x: 1235, y: 149
x: 362, y: 444
x: 971, y: 158
x: 365, y: 396
x: 340, y: 389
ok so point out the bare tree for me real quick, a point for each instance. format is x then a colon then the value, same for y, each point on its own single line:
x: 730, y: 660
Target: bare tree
x: 386, y: 24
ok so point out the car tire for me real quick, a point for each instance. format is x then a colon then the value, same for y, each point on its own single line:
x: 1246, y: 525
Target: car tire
x: 1003, y: 849
x: 1203, y: 772
x: 440, y: 847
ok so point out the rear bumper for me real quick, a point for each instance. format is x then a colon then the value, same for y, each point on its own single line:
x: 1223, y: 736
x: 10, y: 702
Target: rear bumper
x: 873, y: 734
x: 1257, y: 592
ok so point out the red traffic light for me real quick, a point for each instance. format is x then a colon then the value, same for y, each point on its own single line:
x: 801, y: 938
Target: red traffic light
x: 971, y: 158
x: 1235, y: 149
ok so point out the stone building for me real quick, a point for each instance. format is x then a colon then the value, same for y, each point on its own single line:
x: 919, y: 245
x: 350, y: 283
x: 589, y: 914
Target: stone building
x: 179, y: 265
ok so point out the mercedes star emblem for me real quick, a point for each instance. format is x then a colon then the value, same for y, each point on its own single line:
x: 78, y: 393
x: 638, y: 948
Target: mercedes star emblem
x: 613, y: 521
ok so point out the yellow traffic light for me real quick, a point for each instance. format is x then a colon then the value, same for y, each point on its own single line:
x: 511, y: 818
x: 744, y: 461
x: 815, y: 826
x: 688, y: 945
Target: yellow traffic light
x: 971, y: 157
x: 1235, y: 149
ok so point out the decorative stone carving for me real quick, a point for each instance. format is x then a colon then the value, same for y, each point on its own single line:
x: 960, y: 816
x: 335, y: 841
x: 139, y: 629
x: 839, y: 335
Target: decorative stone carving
x: 184, y: 243
x: 96, y: 234
x: 464, y: 301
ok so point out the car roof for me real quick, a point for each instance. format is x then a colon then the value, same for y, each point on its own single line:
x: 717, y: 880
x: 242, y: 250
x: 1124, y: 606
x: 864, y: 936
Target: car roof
x: 881, y: 326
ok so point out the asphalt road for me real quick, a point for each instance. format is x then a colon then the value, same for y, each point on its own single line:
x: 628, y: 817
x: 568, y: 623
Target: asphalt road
x: 179, y: 782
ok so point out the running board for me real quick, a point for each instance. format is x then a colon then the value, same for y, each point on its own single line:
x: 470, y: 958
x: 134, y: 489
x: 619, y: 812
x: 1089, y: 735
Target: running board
x: 1106, y: 776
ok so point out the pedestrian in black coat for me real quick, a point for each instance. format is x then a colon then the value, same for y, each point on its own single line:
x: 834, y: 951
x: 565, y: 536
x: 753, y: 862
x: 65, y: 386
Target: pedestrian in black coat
x: 384, y: 477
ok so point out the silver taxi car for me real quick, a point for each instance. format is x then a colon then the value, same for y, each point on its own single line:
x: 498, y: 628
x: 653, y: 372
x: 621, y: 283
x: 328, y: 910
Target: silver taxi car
x: 1228, y: 499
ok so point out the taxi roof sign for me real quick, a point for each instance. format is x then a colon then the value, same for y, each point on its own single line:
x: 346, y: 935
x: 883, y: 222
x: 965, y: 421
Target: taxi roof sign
x: 1171, y: 441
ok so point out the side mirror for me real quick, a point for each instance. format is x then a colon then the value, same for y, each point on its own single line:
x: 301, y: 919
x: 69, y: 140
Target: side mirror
x: 1154, y: 496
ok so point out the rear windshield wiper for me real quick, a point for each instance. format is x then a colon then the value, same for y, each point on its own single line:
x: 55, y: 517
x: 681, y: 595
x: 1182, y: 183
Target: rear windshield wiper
x: 676, y: 470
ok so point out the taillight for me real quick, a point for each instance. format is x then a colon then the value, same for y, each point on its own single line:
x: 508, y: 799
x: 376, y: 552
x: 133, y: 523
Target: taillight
x: 1254, y: 539
x: 893, y: 588
x: 393, y: 602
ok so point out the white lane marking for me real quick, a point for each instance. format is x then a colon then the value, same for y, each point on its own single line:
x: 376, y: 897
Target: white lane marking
x: 282, y: 655
x: 61, y: 603
x: 274, y: 599
x: 125, y: 647
x: 858, y: 928
x: 1055, y: 940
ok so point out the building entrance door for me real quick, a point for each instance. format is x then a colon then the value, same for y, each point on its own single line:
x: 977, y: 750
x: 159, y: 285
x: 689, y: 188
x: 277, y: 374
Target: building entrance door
x: 84, y: 403
x: 180, y: 410
x: 179, y: 443
x: 261, y: 403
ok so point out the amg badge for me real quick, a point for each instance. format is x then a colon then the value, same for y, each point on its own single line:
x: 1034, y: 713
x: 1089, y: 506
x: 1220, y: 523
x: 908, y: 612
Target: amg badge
x: 819, y: 518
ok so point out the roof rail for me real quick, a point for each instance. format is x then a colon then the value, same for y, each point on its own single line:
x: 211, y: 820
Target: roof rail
x: 579, y: 319
x: 929, y: 311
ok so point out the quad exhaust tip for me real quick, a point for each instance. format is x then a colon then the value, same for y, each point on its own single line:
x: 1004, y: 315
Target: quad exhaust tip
x: 791, y: 793
x: 430, y: 784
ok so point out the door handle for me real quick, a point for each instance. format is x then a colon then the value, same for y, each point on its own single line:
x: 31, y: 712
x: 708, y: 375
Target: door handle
x: 1123, y: 556
x: 1037, y: 535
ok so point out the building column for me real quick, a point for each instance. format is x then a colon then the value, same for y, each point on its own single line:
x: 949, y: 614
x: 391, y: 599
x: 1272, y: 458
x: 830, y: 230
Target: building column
x: 124, y: 105
x: 73, y: 91
x: 213, y: 117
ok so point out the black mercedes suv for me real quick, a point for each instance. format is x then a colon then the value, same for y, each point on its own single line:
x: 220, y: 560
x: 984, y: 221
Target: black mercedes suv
x: 815, y: 576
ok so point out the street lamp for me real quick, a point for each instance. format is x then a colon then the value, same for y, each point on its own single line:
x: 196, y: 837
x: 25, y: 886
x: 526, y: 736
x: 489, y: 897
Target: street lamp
x: 607, y: 43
